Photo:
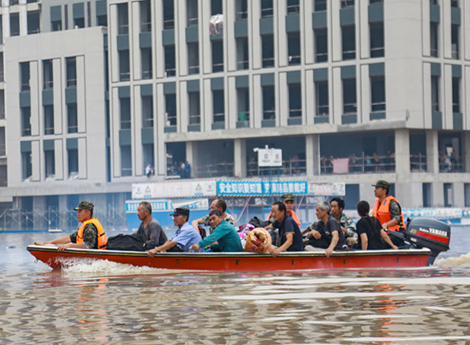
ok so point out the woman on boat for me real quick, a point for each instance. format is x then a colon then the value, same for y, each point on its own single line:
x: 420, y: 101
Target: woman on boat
x: 369, y: 230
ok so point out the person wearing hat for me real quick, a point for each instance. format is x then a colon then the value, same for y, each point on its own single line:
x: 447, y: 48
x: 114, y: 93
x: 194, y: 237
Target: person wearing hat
x: 184, y: 237
x: 90, y: 235
x: 289, y: 201
x: 387, y: 209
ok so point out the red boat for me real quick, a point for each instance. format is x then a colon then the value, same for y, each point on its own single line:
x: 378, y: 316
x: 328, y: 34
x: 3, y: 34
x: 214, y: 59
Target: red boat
x: 286, y: 261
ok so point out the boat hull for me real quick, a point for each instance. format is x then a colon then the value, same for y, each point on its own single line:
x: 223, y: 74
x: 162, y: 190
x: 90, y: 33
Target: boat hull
x: 373, y: 259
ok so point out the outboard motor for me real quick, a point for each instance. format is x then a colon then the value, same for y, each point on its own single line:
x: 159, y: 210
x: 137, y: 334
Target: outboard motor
x: 426, y: 233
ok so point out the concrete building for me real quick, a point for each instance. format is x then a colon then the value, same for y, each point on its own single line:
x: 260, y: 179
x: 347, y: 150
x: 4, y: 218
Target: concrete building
x: 350, y: 90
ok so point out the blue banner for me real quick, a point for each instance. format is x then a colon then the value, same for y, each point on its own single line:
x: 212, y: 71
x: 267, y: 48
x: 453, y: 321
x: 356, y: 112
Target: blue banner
x: 252, y: 188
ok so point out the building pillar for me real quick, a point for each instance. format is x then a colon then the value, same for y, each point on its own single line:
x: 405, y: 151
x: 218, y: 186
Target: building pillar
x: 312, y: 154
x: 432, y: 151
x: 63, y: 210
x: 466, y: 150
x: 39, y: 209
x: 402, y: 151
x: 437, y: 194
x: 191, y: 156
x: 239, y: 158
x: 458, y: 192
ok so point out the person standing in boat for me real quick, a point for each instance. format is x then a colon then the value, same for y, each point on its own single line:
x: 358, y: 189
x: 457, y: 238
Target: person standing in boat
x: 218, y: 204
x: 150, y: 228
x: 184, y: 237
x: 371, y: 235
x: 290, y: 237
x: 224, y: 234
x: 90, y: 235
x: 326, y: 233
x: 387, y: 210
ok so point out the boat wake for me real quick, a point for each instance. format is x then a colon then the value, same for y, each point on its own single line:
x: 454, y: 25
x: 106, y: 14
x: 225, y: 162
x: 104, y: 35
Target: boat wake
x: 462, y: 260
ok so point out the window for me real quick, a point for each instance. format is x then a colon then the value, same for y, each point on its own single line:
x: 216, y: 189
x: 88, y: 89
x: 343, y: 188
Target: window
x: 269, y: 103
x: 448, y: 195
x: 102, y: 20
x: 193, y: 58
x: 455, y: 41
x: 349, y: 96
x: 241, y: 10
x: 124, y: 67
x: 168, y: 14
x: 49, y: 163
x: 377, y: 40
x: 170, y: 65
x: 456, y: 95
x: 194, y: 108
x: 24, y: 75
x: 33, y: 22
x: 243, y: 102
x: 72, y: 161
x: 427, y: 198
x: 192, y: 15
x: 170, y: 110
x: 1, y: 68
x: 148, y: 152
x: 25, y: 121
x: 217, y: 56
x: 319, y: 5
x: 377, y: 85
x: 216, y: 7
x: 293, y: 7
x: 295, y: 100
x: 434, y: 39
x: 321, y: 93
x: 349, y: 42
x: 79, y: 23
x: 268, y: 51
x: 454, y: 3
x: 48, y: 119
x: 14, y: 24
x: 126, y: 161
x: 47, y: 74
x: 71, y: 66
x: 218, y: 104
x: 267, y: 8
x: 123, y: 19
x: 347, y: 3
x: 147, y: 112
x: 293, y: 40
x: 435, y: 94
x: 72, y: 119
x: 145, y: 16
x: 376, y: 2
x: 242, y: 53
x: 27, y: 169
x: 2, y: 142
x: 1, y: 29
x: 146, y: 56
x: 321, y: 45
x: 2, y: 104
x: 56, y: 25
x: 125, y: 111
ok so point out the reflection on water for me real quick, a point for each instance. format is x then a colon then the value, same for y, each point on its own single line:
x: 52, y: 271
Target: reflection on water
x: 105, y: 302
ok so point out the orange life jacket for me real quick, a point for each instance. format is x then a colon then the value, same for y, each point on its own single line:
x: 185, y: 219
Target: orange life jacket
x: 102, y: 239
x: 382, y: 213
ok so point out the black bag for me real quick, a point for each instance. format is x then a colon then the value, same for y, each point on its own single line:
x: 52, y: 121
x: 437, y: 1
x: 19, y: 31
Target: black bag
x: 126, y: 242
x: 258, y: 223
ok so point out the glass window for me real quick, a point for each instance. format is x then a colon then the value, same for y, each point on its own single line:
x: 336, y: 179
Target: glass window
x: 349, y: 96
x: 377, y: 40
x: 321, y: 45
x: 377, y: 85
x: 349, y: 42
x: 321, y: 93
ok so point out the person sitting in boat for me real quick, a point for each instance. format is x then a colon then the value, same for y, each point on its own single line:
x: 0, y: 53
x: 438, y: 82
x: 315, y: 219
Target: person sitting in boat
x: 184, y: 237
x: 346, y: 223
x: 90, y: 235
x: 371, y: 235
x: 326, y: 233
x: 290, y: 237
x: 224, y: 234
x: 150, y: 228
x: 387, y: 210
x: 218, y: 204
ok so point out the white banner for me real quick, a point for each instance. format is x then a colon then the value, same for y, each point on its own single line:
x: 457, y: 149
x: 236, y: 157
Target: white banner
x: 327, y: 188
x: 173, y: 189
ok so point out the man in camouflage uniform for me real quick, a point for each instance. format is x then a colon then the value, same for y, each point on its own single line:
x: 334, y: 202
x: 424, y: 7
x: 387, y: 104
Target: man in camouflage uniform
x: 347, y: 224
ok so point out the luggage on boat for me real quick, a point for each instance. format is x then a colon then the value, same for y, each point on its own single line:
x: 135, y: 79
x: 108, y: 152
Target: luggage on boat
x: 126, y: 242
x: 258, y: 240
x: 426, y: 233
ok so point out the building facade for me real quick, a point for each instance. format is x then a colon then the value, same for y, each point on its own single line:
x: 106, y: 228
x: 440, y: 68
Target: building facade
x: 350, y: 90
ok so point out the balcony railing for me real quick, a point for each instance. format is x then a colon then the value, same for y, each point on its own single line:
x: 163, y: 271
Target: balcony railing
x: 293, y: 9
x: 268, y: 62
x: 169, y: 24
x: 124, y: 76
x: 418, y: 163
x: 378, y: 106
x: 146, y: 27
x: 267, y: 12
x: 242, y: 65
x: 193, y: 69
x: 213, y: 170
x: 359, y: 165
x: 218, y: 67
x: 377, y: 52
x: 219, y: 117
x: 193, y: 22
x: 123, y: 29
x: 350, y: 108
x: 321, y: 57
x: 48, y: 85
x: 71, y: 82
x: 170, y: 119
x: 241, y: 15
x: 170, y: 72
x: 125, y: 124
x: 323, y: 110
x: 294, y: 60
x: 195, y: 119
x: 347, y: 3
x: 269, y: 114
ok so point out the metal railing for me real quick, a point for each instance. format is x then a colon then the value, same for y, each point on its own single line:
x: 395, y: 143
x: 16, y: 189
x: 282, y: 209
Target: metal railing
x: 214, y: 170
x: 321, y: 57
x: 123, y: 29
x: 350, y: 108
x: 320, y: 5
x: 170, y: 119
x: 241, y: 15
x: 193, y: 21
x: 290, y: 167
x: 25, y: 87
x: 124, y: 76
x: 242, y: 65
x: 170, y: 72
x: 268, y: 62
x: 147, y: 122
x: 219, y: 117
x: 418, y: 163
x: 195, y: 119
x: 193, y: 69
x: 147, y: 74
x: 360, y: 165
x: 269, y: 114
x: 48, y: 85
x: 168, y: 24
x: 218, y: 67
x: 435, y: 107
x: 378, y: 106
x: 71, y: 83
x: 323, y: 110
x: 377, y: 52
x: 450, y: 164
x: 294, y: 60
x: 293, y: 9
x: 349, y: 54
x: 347, y: 3
x: 72, y: 129
x: 267, y: 12
x: 295, y: 113
x: 146, y: 27
x: 126, y: 124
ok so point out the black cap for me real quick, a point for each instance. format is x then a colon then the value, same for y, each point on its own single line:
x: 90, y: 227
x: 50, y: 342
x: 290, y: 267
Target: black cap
x: 287, y: 197
x: 180, y: 211
x: 84, y: 205
x: 382, y: 184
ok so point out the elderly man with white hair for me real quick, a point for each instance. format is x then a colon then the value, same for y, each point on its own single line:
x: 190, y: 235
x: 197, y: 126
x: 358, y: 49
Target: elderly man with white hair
x: 326, y: 233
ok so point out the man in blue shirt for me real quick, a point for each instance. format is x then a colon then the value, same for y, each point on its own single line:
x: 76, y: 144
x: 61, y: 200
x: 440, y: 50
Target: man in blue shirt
x: 184, y: 237
x: 289, y: 232
x: 224, y: 233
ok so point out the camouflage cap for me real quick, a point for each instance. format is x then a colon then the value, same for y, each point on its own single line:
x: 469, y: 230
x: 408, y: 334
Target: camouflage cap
x: 287, y: 197
x: 84, y: 205
x: 382, y: 184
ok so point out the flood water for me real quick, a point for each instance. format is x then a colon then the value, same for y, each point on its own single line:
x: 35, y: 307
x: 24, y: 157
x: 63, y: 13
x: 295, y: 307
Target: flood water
x: 110, y: 303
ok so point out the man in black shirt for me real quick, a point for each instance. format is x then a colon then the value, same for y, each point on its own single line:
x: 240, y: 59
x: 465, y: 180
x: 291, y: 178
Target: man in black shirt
x: 327, y: 232
x: 289, y: 232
